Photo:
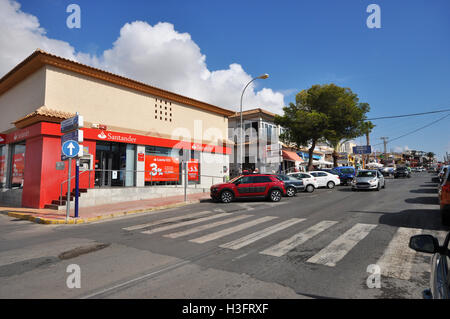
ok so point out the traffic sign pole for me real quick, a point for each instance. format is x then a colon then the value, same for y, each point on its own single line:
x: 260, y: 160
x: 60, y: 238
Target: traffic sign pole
x: 68, y: 191
x: 77, y: 184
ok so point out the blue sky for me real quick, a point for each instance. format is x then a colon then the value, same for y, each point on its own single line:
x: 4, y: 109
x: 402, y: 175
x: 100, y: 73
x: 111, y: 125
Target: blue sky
x: 404, y: 67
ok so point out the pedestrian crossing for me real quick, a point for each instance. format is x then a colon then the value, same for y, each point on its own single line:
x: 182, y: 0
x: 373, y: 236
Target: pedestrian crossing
x: 396, y: 261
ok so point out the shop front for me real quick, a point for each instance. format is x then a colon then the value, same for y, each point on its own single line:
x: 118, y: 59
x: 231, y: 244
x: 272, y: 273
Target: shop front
x: 111, y: 159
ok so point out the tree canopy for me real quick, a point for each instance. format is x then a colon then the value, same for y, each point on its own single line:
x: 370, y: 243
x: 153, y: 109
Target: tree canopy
x: 323, y: 113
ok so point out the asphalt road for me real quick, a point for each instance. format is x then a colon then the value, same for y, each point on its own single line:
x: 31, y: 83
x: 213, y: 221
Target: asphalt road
x: 317, y: 245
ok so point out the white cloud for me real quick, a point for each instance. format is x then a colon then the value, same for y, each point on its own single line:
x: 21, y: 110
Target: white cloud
x: 158, y: 55
x: 399, y: 149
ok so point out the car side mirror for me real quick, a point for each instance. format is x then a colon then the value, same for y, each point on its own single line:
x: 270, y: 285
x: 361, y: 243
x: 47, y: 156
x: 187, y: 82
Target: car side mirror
x: 424, y: 243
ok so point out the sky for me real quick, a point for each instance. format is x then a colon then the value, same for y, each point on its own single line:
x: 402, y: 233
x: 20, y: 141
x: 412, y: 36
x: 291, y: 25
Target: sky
x: 209, y: 50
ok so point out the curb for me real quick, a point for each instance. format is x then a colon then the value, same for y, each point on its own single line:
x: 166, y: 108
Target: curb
x: 73, y: 221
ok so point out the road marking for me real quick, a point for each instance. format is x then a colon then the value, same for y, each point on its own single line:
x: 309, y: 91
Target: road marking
x: 335, y: 251
x: 397, y: 259
x: 251, y: 238
x: 167, y: 220
x: 227, y: 231
x: 207, y: 226
x: 186, y: 223
x: 298, y: 239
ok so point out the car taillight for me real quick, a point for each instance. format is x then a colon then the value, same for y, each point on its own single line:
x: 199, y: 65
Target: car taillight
x: 446, y: 187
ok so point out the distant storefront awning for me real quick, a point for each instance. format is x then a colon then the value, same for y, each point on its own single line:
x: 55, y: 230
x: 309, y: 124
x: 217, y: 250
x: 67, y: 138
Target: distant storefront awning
x: 305, y: 155
x: 291, y: 156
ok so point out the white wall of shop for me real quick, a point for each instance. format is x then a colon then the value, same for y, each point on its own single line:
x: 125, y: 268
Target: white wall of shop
x: 212, y: 168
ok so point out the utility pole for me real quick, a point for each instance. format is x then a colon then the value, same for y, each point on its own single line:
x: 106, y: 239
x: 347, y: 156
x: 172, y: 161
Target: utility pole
x: 385, y: 144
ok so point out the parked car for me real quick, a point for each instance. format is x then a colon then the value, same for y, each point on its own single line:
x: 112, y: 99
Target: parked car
x: 439, y: 275
x: 245, y: 186
x: 309, y: 181
x: 442, y: 173
x: 402, y: 172
x: 293, y: 185
x: 345, y: 173
x: 368, y: 179
x: 387, y: 171
x: 325, y: 179
x: 444, y: 198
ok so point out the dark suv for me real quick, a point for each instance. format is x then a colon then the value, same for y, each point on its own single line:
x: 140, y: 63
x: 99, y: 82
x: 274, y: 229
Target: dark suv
x: 402, y: 172
x: 254, y: 185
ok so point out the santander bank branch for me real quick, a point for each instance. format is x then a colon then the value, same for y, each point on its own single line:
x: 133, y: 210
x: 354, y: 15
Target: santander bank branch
x: 135, y: 136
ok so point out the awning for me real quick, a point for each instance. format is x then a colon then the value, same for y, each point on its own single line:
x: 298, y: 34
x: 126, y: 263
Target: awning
x: 323, y: 162
x: 291, y: 156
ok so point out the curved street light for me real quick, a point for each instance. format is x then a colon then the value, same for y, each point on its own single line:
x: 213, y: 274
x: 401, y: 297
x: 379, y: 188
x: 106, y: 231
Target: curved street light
x: 262, y: 77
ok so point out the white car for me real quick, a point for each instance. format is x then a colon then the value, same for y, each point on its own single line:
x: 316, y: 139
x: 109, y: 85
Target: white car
x: 325, y: 179
x: 309, y: 181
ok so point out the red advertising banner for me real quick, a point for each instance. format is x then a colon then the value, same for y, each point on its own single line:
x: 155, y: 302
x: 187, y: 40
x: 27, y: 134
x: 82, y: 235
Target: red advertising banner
x: 161, y: 168
x: 193, y: 170
x: 18, y: 168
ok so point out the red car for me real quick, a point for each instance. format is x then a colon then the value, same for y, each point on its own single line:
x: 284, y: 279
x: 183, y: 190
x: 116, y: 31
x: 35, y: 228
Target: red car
x: 254, y: 185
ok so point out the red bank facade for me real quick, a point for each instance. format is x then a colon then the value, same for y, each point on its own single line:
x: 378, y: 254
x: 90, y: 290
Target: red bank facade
x: 135, y: 135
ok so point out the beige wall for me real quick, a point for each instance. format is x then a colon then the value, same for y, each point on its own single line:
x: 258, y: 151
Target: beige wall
x: 22, y: 99
x: 118, y: 107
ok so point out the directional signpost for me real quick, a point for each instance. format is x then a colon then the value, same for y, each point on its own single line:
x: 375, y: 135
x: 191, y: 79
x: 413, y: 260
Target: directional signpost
x: 365, y: 149
x: 70, y: 148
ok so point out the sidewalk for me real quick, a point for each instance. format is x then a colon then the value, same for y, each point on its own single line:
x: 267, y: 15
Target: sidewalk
x: 94, y: 213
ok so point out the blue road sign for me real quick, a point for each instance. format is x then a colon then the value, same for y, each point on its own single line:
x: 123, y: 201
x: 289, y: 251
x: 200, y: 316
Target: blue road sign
x: 70, y: 148
x: 71, y: 124
x: 366, y: 149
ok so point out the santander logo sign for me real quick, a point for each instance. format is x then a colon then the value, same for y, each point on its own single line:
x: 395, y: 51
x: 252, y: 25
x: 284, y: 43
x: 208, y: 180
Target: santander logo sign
x: 102, y: 135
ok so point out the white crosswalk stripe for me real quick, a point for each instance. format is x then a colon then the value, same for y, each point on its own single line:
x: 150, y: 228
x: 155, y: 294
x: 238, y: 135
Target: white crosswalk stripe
x: 186, y: 223
x: 335, y: 251
x: 207, y: 226
x: 298, y: 239
x: 228, y: 231
x: 398, y: 259
x: 167, y: 220
x: 251, y: 238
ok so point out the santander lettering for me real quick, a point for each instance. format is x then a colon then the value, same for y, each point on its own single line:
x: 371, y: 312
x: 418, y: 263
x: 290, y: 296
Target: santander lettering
x: 118, y: 138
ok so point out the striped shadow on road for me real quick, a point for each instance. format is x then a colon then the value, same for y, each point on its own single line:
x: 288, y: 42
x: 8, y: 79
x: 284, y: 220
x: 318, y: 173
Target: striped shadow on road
x: 207, y: 226
x: 251, y: 238
x: 286, y: 245
x: 167, y: 220
x: 186, y: 223
x: 335, y: 251
x: 228, y: 231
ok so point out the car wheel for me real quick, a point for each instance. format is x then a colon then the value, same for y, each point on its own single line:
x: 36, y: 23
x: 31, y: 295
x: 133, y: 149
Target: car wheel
x: 290, y: 191
x: 330, y: 185
x: 310, y: 188
x: 275, y: 195
x: 378, y: 187
x: 226, y: 197
x: 384, y: 184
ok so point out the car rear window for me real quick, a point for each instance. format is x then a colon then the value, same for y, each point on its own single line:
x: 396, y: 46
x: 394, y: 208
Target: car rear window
x: 366, y: 174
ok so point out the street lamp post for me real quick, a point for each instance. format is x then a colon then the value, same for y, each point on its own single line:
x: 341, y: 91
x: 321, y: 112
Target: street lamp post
x: 264, y: 76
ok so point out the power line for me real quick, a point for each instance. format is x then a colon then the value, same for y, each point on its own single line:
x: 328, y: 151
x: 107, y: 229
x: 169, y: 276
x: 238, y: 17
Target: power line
x: 418, y: 129
x: 405, y: 115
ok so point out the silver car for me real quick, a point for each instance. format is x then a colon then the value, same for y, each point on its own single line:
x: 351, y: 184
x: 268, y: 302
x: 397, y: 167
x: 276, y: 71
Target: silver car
x: 368, y: 179
x: 439, y: 278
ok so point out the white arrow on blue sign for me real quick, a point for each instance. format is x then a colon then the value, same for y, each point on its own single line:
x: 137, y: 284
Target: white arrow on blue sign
x: 70, y: 148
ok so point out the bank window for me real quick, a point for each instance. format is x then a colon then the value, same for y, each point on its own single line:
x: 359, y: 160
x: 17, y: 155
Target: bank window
x: 17, y: 166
